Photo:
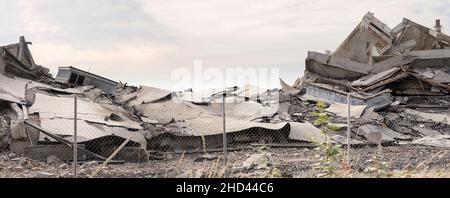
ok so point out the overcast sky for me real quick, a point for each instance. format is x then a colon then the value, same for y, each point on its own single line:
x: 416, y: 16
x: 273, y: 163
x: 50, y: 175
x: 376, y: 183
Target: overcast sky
x: 143, y: 41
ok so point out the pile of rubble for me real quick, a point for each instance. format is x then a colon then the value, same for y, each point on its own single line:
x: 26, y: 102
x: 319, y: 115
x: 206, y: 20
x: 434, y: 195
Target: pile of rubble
x: 187, y: 120
x: 398, y: 81
x: 38, y: 113
x: 375, y: 60
x: 5, y: 134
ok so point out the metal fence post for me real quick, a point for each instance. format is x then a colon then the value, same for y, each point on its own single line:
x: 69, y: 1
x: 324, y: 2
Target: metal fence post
x: 225, y: 157
x: 348, y: 129
x: 75, y: 144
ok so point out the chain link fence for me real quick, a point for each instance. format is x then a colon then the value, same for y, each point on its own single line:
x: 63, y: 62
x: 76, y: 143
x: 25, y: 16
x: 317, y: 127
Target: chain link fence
x: 296, y: 141
x: 411, y: 140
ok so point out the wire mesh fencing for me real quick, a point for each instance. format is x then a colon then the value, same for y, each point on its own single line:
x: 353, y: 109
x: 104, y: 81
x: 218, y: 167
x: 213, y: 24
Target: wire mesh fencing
x: 403, y: 139
x: 368, y: 140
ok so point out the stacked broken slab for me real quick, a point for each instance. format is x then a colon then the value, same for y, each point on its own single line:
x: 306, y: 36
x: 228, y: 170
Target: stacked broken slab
x: 388, y: 72
x: 192, y: 121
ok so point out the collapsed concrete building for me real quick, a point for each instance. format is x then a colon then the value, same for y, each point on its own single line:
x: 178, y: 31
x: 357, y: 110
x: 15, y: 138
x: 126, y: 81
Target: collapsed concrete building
x: 408, y: 60
x: 398, y: 79
x: 37, y: 115
x: 395, y: 74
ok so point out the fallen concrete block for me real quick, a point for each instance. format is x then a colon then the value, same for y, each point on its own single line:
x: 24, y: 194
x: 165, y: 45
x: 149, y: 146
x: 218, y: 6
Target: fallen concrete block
x: 341, y: 110
x: 426, y: 132
x: 388, y: 135
x: 436, y: 141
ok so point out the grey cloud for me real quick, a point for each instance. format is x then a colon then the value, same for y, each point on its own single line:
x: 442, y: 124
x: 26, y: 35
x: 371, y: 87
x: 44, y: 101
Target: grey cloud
x: 84, y: 22
x: 232, y: 33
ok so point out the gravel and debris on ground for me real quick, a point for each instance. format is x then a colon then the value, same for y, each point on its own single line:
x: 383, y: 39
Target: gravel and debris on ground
x: 273, y: 162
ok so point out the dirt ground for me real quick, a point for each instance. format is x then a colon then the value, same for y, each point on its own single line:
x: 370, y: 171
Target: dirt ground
x: 403, y: 161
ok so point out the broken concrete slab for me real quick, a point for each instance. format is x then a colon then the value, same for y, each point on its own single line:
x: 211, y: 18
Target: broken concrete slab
x: 436, y: 141
x: 424, y: 72
x: 373, y: 134
x: 245, y: 110
x: 370, y: 115
x: 443, y: 118
x: 86, y: 131
x: 41, y: 86
x: 15, y: 89
x: 431, y: 58
x: 5, y: 96
x: 409, y: 30
x: 369, y: 31
x: 212, y: 125
x: 341, y: 110
x: 17, y: 117
x: 372, y: 79
x: 392, y: 62
x: 343, y: 140
x: 166, y: 111
x: 50, y: 107
x: 404, y: 47
x: 334, y: 67
x: 234, y: 95
x: 399, y: 76
x: 250, y: 91
x: 388, y: 135
x: 305, y: 132
x: 434, y: 54
x: 429, y: 82
x: 145, y: 94
x: 198, y: 97
x: 426, y: 132
x: 288, y: 89
x: 441, y: 76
